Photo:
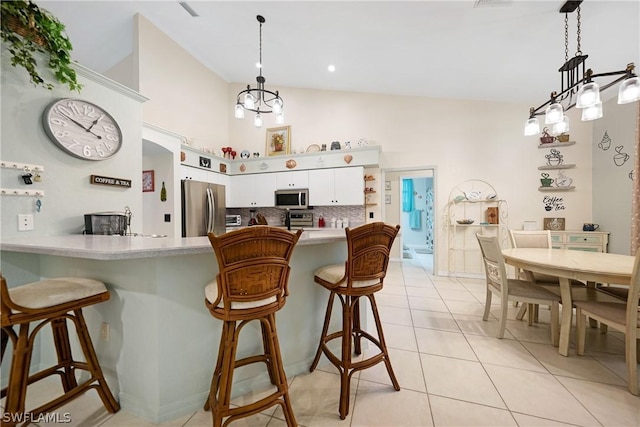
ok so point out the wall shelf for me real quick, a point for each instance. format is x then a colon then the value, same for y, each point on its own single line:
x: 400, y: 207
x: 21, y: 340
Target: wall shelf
x: 556, y: 188
x: 557, y: 144
x: 548, y: 167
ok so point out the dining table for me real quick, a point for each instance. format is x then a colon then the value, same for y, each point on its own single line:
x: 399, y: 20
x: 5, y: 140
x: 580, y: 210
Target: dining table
x: 589, y: 267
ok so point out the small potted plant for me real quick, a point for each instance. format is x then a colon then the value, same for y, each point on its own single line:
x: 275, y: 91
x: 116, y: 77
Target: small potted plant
x: 27, y: 29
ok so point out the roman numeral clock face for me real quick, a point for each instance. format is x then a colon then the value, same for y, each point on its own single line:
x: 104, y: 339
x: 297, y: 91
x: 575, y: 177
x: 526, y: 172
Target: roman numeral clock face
x: 82, y: 129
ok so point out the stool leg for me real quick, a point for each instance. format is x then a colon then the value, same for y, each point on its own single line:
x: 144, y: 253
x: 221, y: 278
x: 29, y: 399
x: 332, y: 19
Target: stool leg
x: 220, y: 399
x: 356, y: 327
x: 107, y: 398
x: 63, y: 350
x: 325, y: 329
x: 345, y: 374
x: 268, y: 352
x: 5, y: 341
x: 215, y: 380
x: 383, y: 344
x: 19, y: 375
x: 281, y: 378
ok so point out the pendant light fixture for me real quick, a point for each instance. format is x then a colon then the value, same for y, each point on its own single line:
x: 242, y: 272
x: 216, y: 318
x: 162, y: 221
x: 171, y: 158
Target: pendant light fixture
x: 578, y: 88
x: 258, y: 99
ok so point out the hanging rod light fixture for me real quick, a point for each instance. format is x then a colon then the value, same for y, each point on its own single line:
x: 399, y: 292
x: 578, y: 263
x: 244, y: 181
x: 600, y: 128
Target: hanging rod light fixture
x: 258, y: 99
x: 578, y: 86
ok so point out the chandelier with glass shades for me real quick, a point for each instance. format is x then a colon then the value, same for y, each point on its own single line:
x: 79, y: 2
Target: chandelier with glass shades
x: 578, y: 86
x: 258, y: 99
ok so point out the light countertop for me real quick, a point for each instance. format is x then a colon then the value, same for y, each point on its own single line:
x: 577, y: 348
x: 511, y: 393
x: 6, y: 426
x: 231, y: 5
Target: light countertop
x: 128, y: 247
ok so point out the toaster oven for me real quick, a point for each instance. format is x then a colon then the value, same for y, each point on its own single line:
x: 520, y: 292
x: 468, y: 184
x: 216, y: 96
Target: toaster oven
x: 233, y: 220
x: 109, y: 223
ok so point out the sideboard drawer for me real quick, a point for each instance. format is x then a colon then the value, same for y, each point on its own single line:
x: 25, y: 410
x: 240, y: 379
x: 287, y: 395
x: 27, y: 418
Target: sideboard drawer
x: 584, y: 238
x: 592, y: 241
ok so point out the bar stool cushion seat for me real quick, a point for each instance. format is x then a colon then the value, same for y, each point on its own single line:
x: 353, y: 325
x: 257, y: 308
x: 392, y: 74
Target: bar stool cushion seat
x: 211, y: 293
x: 336, y: 274
x: 52, y: 292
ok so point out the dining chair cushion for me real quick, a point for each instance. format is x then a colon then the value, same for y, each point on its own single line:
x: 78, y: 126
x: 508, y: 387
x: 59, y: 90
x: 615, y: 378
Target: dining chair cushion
x: 52, y: 292
x: 211, y: 293
x: 525, y: 289
x: 615, y: 311
x: 336, y: 274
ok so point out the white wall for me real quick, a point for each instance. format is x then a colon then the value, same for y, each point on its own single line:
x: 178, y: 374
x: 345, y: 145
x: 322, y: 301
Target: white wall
x: 65, y: 181
x: 612, y: 186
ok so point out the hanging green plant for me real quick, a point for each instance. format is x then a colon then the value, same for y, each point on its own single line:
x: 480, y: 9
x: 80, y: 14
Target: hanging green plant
x: 27, y: 29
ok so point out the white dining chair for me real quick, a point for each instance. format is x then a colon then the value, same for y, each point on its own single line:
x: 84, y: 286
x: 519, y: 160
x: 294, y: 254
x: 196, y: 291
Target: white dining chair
x: 513, y: 289
x: 621, y: 316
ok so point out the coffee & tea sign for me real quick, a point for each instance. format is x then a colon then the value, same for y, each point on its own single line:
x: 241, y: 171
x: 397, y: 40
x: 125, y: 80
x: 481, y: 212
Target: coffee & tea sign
x: 553, y: 203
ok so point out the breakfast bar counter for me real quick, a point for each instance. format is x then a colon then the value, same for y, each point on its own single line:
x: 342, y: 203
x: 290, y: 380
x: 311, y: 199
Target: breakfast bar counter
x: 160, y: 350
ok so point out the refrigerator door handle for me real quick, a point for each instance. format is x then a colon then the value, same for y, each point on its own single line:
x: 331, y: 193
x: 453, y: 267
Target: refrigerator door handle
x: 211, y: 209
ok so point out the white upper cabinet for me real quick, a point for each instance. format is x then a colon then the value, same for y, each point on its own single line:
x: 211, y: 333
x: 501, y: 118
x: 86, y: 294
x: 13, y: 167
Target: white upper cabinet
x: 336, y: 187
x: 293, y: 179
x: 252, y: 191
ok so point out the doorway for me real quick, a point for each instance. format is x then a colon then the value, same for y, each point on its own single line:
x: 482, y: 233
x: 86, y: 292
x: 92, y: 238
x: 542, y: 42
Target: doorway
x: 410, y: 202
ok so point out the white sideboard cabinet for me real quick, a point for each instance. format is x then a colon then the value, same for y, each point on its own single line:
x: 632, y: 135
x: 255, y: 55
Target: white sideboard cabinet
x: 592, y: 241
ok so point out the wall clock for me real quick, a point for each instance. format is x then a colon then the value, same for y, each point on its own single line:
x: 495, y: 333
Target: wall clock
x: 82, y: 129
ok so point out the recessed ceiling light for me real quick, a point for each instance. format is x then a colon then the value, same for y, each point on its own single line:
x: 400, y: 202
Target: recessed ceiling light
x: 331, y: 68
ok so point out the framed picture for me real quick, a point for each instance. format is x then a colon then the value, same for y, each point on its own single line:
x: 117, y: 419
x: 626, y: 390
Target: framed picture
x: 387, y: 199
x: 554, y: 224
x: 148, y: 181
x: 387, y: 185
x: 278, y: 141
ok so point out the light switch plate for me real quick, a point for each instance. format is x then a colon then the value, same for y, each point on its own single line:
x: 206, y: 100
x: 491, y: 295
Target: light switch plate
x: 25, y: 222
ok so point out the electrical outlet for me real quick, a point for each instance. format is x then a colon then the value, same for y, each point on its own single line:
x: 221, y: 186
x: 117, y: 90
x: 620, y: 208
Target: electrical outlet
x: 105, y: 331
x: 25, y: 222
x: 371, y: 215
x: 167, y: 217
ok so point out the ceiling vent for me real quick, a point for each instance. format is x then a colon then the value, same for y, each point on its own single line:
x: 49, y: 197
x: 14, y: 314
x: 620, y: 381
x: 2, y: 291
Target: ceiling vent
x: 492, y: 3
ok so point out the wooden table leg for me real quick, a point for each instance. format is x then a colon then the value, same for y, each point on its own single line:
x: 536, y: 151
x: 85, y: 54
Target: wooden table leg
x: 567, y: 314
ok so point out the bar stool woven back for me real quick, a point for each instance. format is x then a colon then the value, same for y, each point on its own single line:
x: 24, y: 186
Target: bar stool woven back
x: 252, y: 284
x: 369, y: 247
x: 52, y: 301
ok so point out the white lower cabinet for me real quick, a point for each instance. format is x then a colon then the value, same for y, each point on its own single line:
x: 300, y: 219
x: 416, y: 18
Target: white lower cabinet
x: 336, y: 187
x: 252, y: 191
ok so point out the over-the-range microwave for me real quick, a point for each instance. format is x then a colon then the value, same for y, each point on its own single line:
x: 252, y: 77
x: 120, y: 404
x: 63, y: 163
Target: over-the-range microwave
x: 292, y: 199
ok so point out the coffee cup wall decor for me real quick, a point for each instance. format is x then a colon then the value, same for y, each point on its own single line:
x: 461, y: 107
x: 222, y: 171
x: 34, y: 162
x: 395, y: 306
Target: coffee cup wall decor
x: 545, y: 180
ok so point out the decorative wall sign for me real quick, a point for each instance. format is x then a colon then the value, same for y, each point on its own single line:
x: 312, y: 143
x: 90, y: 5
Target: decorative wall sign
x: 223, y: 168
x: 553, y: 203
x: 205, y: 162
x: 148, y: 181
x: 605, y: 143
x: 554, y: 224
x: 106, y: 180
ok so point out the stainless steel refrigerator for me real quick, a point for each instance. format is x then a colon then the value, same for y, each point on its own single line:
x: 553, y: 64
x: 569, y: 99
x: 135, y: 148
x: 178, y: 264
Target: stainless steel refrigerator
x: 203, y: 208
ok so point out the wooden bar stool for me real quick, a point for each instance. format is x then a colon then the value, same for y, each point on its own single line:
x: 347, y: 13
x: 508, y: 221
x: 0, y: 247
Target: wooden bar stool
x: 51, y: 301
x: 251, y: 285
x: 361, y: 275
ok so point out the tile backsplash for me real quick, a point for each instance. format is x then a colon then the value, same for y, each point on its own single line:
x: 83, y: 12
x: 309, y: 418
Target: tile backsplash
x: 275, y: 216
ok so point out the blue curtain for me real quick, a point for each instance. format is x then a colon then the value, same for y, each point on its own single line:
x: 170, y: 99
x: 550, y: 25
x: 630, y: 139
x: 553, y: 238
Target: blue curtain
x: 407, y: 195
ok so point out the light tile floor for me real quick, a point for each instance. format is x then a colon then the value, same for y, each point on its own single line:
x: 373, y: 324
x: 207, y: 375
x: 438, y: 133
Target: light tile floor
x: 452, y: 370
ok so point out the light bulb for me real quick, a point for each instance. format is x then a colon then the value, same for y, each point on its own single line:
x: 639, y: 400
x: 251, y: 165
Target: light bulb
x: 629, y: 91
x: 277, y: 105
x: 532, y: 127
x: 561, y: 127
x: 280, y: 118
x: 592, y: 113
x: 249, y: 101
x: 257, y: 122
x: 553, y: 113
x: 588, y: 95
x: 239, y: 111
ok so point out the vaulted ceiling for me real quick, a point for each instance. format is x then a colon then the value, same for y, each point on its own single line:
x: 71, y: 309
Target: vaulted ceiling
x: 500, y: 50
